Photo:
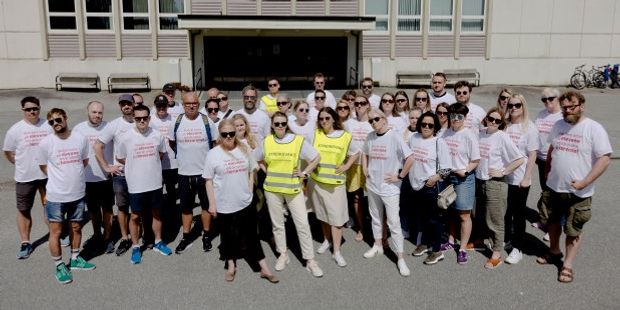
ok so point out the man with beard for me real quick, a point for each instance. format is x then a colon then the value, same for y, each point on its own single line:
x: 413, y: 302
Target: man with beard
x: 439, y: 93
x: 260, y: 124
x: 367, y: 86
x: 476, y: 114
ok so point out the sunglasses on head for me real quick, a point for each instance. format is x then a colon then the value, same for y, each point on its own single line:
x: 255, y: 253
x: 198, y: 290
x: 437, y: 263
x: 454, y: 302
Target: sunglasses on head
x: 279, y: 124
x: 492, y: 119
x: 53, y: 121
x: 427, y: 125
x: 514, y: 105
x: 141, y: 118
x: 282, y: 103
x: 547, y: 99
x: 462, y: 92
x: 212, y: 110
x: 343, y: 108
x: 457, y: 117
x: 374, y: 120
x: 229, y: 134
x: 33, y: 109
x: 357, y: 104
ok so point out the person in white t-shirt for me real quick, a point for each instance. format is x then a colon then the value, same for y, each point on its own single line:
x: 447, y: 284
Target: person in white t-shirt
x: 141, y: 150
x: 99, y: 189
x: 476, y: 114
x: 174, y: 107
x: 319, y: 84
x: 367, y: 85
x: 258, y: 119
x: 402, y: 104
x: 319, y: 103
x: 499, y: 157
x: 63, y: 156
x: 299, y: 123
x: 283, y: 101
x: 439, y: 93
x: 503, y: 98
x: 421, y: 100
x: 225, y: 110
x: 20, y: 145
x: 579, y: 153
x: 442, y: 113
x: 395, y: 121
x: 525, y: 136
x: 382, y: 162
x: 211, y: 109
x: 109, y: 139
x: 229, y: 174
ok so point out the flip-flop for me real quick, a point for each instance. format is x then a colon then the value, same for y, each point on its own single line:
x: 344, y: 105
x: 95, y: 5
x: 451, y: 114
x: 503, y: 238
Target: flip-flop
x: 550, y: 259
x: 566, y: 275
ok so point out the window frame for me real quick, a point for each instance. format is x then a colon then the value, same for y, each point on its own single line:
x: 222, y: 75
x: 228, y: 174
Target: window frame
x: 60, y: 14
x: 385, y: 16
x: 432, y: 17
x: 175, y: 15
x: 474, y: 18
x: 98, y: 14
x: 123, y: 14
x: 400, y: 17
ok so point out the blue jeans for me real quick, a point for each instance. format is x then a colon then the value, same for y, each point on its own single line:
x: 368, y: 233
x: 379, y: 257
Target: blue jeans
x: 465, y: 189
x: 73, y: 210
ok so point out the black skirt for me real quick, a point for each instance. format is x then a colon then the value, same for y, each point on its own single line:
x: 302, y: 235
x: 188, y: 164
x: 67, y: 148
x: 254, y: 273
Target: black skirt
x: 239, y: 235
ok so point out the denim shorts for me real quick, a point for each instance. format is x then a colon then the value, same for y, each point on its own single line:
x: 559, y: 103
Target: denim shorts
x: 145, y: 201
x: 65, y: 211
x: 465, y: 189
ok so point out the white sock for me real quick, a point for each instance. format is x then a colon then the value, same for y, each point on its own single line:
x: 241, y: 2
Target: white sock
x: 57, y: 260
x: 75, y: 253
x: 157, y: 241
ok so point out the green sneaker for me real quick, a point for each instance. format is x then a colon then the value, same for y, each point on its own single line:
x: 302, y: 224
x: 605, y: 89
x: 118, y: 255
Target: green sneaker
x: 81, y: 264
x: 63, y: 275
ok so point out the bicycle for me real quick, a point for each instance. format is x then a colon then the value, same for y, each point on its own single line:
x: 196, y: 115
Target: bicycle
x: 591, y: 78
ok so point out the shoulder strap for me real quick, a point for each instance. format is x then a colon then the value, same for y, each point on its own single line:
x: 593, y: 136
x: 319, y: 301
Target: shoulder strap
x: 177, y: 122
x: 227, y: 114
x: 205, y: 120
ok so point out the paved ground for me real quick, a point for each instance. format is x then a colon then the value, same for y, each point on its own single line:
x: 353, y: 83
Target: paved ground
x: 196, y: 279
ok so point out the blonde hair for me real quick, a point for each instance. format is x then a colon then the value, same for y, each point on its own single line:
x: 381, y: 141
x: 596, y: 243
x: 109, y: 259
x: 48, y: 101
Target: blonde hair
x: 525, y: 119
x: 238, y: 143
x: 249, y: 136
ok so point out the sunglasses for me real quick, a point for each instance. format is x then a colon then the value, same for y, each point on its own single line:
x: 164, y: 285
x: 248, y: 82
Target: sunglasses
x: 324, y: 118
x: 492, y: 119
x: 33, y: 109
x: 272, y: 85
x: 249, y: 97
x: 282, y: 103
x: 360, y: 103
x: 229, y: 134
x: 387, y: 100
x: 427, y: 125
x: 222, y: 98
x: 547, y: 99
x: 374, y: 120
x: 350, y: 99
x: 343, y: 108
x: 503, y: 97
x: 462, y: 93
x: 319, y: 98
x: 421, y: 99
x: 514, y: 105
x: 367, y: 86
x: 53, y: 121
x: 279, y: 124
x: 439, y: 113
x: 303, y: 110
x: 212, y: 110
x: 457, y: 117
x: 570, y: 107
x: 141, y: 118
x: 401, y: 100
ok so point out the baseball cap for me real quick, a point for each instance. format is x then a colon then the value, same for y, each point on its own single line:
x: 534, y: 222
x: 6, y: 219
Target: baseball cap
x: 160, y: 100
x: 125, y: 97
x: 169, y: 87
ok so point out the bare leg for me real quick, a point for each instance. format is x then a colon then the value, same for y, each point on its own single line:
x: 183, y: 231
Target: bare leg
x: 465, y: 228
x: 156, y: 224
x: 95, y: 219
x: 336, y: 233
x: 327, y: 233
x: 206, y: 220
x: 24, y: 224
x: 264, y: 269
x: 107, y: 224
x: 357, y: 206
x: 134, y: 227
x: 54, y: 239
x: 572, y: 247
x: 123, y: 223
x: 555, y: 231
x: 186, y: 218
x: 76, y: 235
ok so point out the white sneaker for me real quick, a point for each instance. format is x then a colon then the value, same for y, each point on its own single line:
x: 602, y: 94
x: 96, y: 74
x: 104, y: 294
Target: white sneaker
x: 339, y: 259
x: 324, y: 247
x: 374, y: 251
x: 282, y: 261
x: 314, y: 268
x: 402, y: 268
x: 514, y: 257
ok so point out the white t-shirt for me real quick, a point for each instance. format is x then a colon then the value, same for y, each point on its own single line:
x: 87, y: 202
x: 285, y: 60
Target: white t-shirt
x: 474, y: 118
x: 386, y: 154
x: 163, y: 125
x: 94, y: 172
x: 222, y: 115
x: 496, y: 152
x: 308, y: 152
x: 462, y: 147
x: 23, y: 139
x: 375, y: 101
x: 397, y: 123
x: 575, y: 150
x: 260, y: 123
x: 359, y: 132
x: 526, y: 142
x: 544, y: 122
x: 113, y: 132
x: 446, y: 97
x: 330, y: 100
x: 65, y: 166
x: 425, y: 153
x: 192, y: 147
x: 142, y: 160
x: 173, y: 111
x: 307, y: 130
x: 230, y: 172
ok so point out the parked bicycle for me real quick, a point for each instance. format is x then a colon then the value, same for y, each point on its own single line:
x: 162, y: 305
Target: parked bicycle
x: 591, y: 78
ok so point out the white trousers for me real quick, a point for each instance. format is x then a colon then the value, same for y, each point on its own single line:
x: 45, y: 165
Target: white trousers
x: 377, y: 205
x: 296, y: 204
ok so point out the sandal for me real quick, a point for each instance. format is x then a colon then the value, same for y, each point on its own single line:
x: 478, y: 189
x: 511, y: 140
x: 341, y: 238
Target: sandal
x: 493, y: 263
x: 550, y: 259
x: 566, y: 275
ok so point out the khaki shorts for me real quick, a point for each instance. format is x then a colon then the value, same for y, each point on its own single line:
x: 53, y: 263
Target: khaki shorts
x: 576, y: 211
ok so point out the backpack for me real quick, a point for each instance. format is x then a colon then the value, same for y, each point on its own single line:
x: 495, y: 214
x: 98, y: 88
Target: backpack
x: 205, y: 119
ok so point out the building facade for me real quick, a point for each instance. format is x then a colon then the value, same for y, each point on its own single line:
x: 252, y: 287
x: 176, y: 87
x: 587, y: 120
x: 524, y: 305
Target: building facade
x: 213, y: 42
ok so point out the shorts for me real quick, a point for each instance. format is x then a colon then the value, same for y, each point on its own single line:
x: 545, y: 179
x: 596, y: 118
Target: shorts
x: 121, y: 192
x: 189, y: 187
x: 100, y: 195
x: 58, y: 212
x: 150, y: 200
x: 465, y: 189
x: 576, y: 210
x: 25, y: 193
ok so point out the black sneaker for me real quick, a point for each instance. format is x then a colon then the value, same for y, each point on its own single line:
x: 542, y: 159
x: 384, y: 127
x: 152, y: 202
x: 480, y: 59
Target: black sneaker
x: 184, y: 244
x: 206, y: 243
x: 123, y: 247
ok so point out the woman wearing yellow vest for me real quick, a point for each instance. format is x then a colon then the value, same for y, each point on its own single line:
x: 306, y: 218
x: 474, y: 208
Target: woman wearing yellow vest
x: 326, y: 187
x: 281, y: 153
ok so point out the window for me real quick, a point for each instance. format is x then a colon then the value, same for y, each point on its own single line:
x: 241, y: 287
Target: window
x: 98, y: 14
x: 409, y: 13
x: 473, y: 16
x: 135, y: 15
x: 379, y: 9
x: 168, y: 11
x: 61, y: 15
x: 441, y: 15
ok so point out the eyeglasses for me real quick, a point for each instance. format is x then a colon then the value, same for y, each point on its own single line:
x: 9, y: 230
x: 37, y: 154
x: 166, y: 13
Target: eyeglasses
x: 514, y: 105
x: 33, y: 109
x: 360, y: 103
x: 229, y: 134
x: 387, y: 100
x: 53, y: 121
x: 440, y: 113
x: 191, y: 103
x: 421, y: 99
x: 343, y: 108
x: 462, y: 93
x: 427, y: 125
x: 350, y: 99
x: 279, y: 124
x: 222, y: 98
x: 492, y: 119
x: 249, y: 97
x: 457, y: 117
x: 303, y: 110
x: 374, y: 120
x: 547, y: 99
x: 367, y: 86
x: 401, y: 100
x: 282, y: 103
x: 570, y: 107
x: 319, y: 98
x: 324, y: 118
x: 141, y: 118
x: 212, y: 110
x: 503, y: 97
x: 272, y: 85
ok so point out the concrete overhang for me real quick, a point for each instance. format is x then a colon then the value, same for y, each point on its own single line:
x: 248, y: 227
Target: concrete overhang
x: 265, y: 22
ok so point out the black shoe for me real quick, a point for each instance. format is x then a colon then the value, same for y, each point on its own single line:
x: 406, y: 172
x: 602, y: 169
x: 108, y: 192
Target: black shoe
x: 123, y: 246
x: 206, y: 243
x: 184, y: 244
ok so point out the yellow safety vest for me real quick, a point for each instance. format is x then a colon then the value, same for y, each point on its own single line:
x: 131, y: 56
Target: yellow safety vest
x: 271, y: 103
x: 281, y: 160
x: 333, y: 152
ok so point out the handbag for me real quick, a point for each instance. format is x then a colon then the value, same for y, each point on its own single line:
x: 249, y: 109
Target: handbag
x: 447, y: 196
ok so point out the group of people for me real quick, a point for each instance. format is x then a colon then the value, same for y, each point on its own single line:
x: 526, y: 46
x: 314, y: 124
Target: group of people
x: 361, y: 156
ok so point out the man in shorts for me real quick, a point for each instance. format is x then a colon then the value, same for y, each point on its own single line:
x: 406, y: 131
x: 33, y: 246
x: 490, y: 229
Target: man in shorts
x: 63, y: 157
x: 20, y: 148
x: 583, y: 145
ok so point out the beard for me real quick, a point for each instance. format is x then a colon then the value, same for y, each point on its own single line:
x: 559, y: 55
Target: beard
x: 572, y: 118
x: 61, y: 130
